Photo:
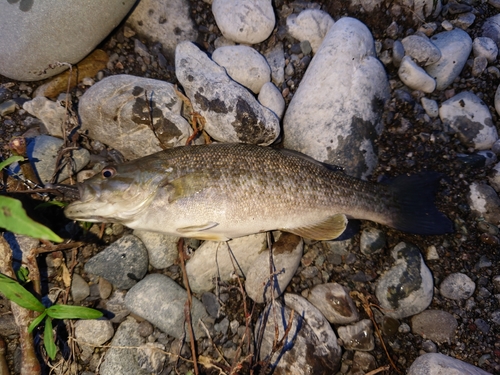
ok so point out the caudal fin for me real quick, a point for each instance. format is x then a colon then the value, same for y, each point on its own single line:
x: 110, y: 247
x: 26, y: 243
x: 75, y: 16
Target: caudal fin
x: 417, y: 213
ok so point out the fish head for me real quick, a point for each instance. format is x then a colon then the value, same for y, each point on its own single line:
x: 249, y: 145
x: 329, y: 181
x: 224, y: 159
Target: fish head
x: 119, y: 193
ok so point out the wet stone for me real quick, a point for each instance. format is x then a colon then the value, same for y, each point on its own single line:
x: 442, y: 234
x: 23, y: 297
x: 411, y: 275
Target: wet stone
x: 358, y: 336
x: 334, y: 302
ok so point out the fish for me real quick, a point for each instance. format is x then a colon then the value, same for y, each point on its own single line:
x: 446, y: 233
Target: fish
x: 223, y: 191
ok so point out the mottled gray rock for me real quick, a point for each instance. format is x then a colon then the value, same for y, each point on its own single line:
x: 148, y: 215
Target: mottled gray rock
x: 119, y: 360
x: 212, y: 260
x: 315, y: 349
x: 497, y: 100
x: 91, y: 333
x: 244, y: 65
x: 398, y: 52
x: 162, y: 248
x: 41, y: 152
x: 244, y: 21
x: 484, y: 202
x: 117, y: 111
x: 29, y: 26
x: 415, y: 77
x: 79, y: 288
x: 486, y: 47
x: 470, y: 117
x: 167, y: 21
x: 430, y: 107
x: 440, y: 364
x: 310, y: 25
x: 358, y: 336
x: 372, y: 240
x: 479, y: 66
x: 455, y: 47
x: 231, y: 112
x: 436, y: 325
x: 457, y: 286
x: 334, y: 302
x: 129, y: 259
x: 276, y: 59
x: 347, y: 108
x: 52, y: 114
x: 287, y: 252
x: 407, y: 288
x: 464, y: 20
x: 425, y: 8
x: 160, y: 300
x: 421, y: 49
x: 494, y: 177
x: 115, y: 305
x: 270, y: 97
x: 491, y: 29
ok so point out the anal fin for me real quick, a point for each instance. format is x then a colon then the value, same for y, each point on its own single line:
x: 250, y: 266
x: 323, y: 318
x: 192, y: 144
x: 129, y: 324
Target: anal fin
x: 328, y: 229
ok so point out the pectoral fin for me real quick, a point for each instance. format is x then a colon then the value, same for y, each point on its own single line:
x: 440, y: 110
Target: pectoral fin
x: 328, y: 229
x: 187, y: 186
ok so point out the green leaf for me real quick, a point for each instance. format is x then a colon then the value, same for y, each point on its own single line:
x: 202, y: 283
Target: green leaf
x: 48, y: 339
x: 10, y: 160
x: 36, y: 321
x: 51, y: 204
x: 14, y: 219
x: 72, y: 312
x: 16, y: 293
x: 22, y: 275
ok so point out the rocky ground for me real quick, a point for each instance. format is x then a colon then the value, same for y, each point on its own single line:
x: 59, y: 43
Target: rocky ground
x: 409, y: 144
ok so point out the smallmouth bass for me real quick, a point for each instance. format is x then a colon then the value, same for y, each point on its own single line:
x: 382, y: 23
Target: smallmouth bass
x: 223, y: 191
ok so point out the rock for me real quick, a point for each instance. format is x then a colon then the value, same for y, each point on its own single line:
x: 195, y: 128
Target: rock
x: 457, y: 286
x: 105, y: 288
x: 421, y: 49
x: 211, y: 260
x: 405, y: 289
x: 372, y: 240
x: 116, y: 308
x: 425, y: 8
x: 479, y: 66
x: 347, y: 109
x: 148, y: 299
x: 491, y: 29
x: 231, y: 112
x: 398, y: 52
x: 415, y: 77
x: 52, y: 114
x: 244, y: 65
x: 30, y: 25
x: 310, y: 25
x: 455, y: 47
x: 486, y: 47
x: 436, y: 325
x: 129, y: 258
x: 464, y: 20
x: 440, y: 364
x: 484, y: 202
x: 497, y: 100
x: 41, y: 152
x: 358, y: 336
x: 287, y: 252
x: 363, y: 362
x: 494, y: 177
x: 8, y: 107
x: 117, y: 111
x: 168, y: 22
x: 79, y: 288
x: 244, y: 21
x: 334, y: 302
x: 118, y: 359
x: 162, y: 248
x: 276, y: 59
x: 91, y: 333
x: 211, y: 303
x: 430, y: 107
x: 470, y: 117
x: 314, y: 350
x: 270, y: 97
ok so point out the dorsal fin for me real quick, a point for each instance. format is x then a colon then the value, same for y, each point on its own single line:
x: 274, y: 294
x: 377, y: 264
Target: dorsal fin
x: 300, y: 155
x: 328, y: 229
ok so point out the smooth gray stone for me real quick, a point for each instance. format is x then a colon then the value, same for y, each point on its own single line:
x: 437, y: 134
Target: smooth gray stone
x: 344, y: 90
x: 440, y: 364
x: 79, y: 288
x: 162, y: 248
x: 276, y: 59
x: 310, y: 25
x: 436, y: 325
x: 117, y: 111
x: 231, y: 112
x: 455, y: 47
x: 123, y: 263
x: 491, y: 29
x: 421, y: 49
x: 484, y: 202
x: 90, y: 333
x: 52, y: 114
x: 413, y: 76
x: 37, y: 34
x: 486, y: 47
x: 457, y: 286
x: 160, y: 300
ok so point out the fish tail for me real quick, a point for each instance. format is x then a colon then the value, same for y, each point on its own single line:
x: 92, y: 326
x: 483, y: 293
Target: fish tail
x: 415, y: 202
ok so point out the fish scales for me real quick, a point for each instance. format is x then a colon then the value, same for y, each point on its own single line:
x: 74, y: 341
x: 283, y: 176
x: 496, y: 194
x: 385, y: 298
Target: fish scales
x: 224, y: 191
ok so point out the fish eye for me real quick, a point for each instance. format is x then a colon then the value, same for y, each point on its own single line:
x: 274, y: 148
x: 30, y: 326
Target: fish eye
x: 108, y: 172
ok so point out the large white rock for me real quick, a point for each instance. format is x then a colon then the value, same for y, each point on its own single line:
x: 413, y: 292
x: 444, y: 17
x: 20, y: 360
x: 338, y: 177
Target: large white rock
x: 35, y: 35
x: 118, y: 110
x: 470, y: 117
x: 335, y: 114
x: 311, y: 25
x: 245, y: 65
x: 165, y: 21
x: 440, y: 364
x: 455, y: 47
x: 244, y: 21
x: 231, y: 112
